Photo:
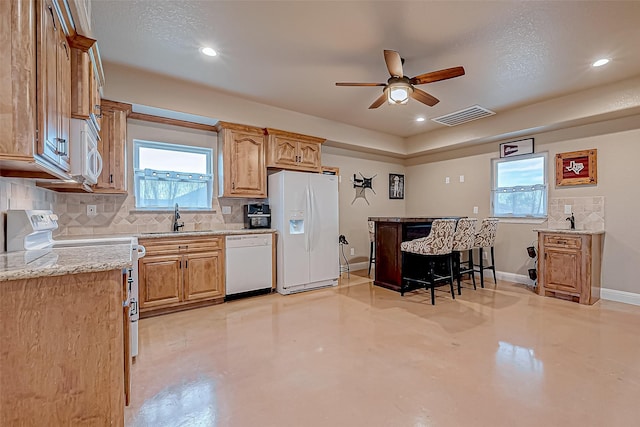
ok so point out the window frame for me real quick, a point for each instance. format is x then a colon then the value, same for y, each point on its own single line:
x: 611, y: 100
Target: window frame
x: 494, y: 178
x: 168, y: 146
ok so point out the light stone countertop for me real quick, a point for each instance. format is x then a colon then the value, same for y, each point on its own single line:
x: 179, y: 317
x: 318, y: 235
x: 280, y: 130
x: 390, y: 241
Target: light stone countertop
x: 160, y: 234
x: 567, y: 231
x: 63, y: 261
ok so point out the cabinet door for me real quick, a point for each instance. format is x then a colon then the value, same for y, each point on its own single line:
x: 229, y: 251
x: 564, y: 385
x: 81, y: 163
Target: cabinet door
x: 47, y: 59
x: 247, y: 165
x: 96, y: 98
x: 285, y: 152
x: 562, y: 269
x: 160, y: 281
x: 203, y: 276
x: 113, y: 135
x: 309, y: 156
x: 64, y: 100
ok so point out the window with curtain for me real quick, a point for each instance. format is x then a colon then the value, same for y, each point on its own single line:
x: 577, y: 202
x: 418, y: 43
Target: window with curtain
x: 520, y: 187
x: 166, y: 174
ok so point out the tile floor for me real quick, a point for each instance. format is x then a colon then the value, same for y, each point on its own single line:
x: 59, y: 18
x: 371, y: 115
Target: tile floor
x: 360, y: 355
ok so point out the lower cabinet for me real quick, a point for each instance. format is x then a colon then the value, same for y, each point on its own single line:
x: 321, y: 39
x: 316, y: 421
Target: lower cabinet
x: 569, y: 265
x: 178, y: 273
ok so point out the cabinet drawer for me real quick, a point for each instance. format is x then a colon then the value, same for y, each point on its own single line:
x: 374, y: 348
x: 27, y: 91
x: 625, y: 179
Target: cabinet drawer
x: 563, y: 241
x: 182, y: 244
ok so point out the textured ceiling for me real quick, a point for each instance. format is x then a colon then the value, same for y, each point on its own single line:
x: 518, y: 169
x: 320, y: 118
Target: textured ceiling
x: 289, y: 54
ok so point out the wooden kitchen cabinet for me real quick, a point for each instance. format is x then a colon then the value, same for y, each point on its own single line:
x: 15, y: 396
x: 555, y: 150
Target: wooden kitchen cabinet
x: 241, y: 161
x: 180, y: 273
x: 35, y: 88
x: 54, y: 87
x: 63, y: 350
x: 85, y: 86
x: 113, y: 138
x: 288, y: 150
x: 569, y: 265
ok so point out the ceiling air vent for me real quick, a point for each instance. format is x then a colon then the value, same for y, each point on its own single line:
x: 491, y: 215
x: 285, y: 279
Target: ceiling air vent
x: 463, y: 116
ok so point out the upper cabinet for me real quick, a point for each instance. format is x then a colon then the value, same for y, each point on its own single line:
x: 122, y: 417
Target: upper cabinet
x: 113, y: 138
x: 288, y: 150
x: 241, y: 161
x: 35, y: 87
x: 86, y: 86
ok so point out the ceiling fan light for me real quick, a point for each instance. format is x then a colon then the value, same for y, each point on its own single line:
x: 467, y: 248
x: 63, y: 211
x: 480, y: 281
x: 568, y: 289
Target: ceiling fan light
x: 398, y: 94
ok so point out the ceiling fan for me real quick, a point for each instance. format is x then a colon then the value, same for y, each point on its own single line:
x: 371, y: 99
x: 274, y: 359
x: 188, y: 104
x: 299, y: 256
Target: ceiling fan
x: 399, y: 87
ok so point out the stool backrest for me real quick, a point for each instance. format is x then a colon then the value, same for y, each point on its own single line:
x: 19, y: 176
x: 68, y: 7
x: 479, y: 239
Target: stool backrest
x: 438, y: 242
x: 372, y: 230
x: 465, y: 235
x: 486, y: 237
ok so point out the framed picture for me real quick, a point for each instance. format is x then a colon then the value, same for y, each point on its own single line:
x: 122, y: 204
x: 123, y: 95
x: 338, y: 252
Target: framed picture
x: 516, y: 148
x: 396, y: 186
x: 577, y: 168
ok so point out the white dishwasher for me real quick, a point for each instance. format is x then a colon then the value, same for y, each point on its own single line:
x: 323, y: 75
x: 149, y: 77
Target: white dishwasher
x: 248, y: 265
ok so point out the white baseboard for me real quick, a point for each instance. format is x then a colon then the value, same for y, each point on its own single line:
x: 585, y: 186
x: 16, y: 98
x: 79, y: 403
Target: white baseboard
x: 354, y: 266
x: 512, y: 277
x: 620, y: 296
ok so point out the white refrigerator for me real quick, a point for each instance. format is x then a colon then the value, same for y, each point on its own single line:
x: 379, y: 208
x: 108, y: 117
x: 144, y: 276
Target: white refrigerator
x: 304, y: 210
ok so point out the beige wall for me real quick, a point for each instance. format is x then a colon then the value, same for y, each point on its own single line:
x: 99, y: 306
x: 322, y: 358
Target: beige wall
x: 353, y: 216
x: 618, y: 147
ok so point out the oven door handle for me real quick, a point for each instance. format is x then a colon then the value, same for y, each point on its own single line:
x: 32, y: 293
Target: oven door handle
x: 142, y: 251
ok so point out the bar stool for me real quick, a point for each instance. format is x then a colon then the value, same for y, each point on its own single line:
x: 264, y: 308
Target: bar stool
x: 372, y: 243
x: 425, y: 252
x: 486, y: 238
x: 463, y: 240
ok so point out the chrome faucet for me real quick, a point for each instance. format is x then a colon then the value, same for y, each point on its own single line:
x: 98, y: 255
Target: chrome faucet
x: 573, y: 221
x: 176, y: 216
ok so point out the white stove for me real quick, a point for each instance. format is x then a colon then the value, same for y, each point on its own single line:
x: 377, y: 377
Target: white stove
x: 32, y: 231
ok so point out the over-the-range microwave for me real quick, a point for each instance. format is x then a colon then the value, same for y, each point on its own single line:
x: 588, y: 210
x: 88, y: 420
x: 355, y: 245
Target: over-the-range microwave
x: 86, y: 161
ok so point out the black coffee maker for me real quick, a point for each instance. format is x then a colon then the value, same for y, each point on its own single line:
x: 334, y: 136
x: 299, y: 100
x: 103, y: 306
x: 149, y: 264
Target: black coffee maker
x: 257, y: 215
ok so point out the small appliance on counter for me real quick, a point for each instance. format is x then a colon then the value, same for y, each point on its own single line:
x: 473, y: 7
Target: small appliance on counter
x: 257, y: 215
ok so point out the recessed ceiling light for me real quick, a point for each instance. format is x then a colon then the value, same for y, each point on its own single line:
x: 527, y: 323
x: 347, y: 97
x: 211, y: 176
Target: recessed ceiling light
x: 600, y: 62
x: 208, y: 51
x: 420, y: 119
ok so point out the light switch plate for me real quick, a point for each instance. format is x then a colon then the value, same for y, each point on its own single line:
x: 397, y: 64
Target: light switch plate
x: 92, y: 210
x: 567, y: 209
x: 447, y: 180
x: 461, y: 178
x: 475, y: 209
x: 226, y: 210
x: 353, y: 251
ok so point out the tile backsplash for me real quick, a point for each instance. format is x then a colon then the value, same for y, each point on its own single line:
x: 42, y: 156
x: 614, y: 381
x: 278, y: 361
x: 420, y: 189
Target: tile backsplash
x: 588, y: 212
x: 115, y: 214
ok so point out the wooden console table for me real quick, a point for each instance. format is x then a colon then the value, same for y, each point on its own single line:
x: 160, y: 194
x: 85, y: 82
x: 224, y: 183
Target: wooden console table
x: 390, y: 232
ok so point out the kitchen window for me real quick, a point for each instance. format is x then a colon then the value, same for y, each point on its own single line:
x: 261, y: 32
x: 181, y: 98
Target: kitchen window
x: 519, y: 188
x: 166, y: 174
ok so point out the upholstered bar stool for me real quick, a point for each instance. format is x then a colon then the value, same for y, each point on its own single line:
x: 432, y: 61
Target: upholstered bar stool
x: 419, y: 258
x: 486, y: 238
x: 372, y: 244
x: 463, y: 241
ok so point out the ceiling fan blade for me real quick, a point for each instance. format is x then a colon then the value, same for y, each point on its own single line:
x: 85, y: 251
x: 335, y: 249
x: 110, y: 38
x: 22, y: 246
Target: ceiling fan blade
x: 378, y: 102
x: 394, y: 63
x: 436, y: 76
x: 361, y: 84
x: 424, y: 97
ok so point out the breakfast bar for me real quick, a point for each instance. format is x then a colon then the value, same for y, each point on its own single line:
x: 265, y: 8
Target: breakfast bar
x: 390, y: 232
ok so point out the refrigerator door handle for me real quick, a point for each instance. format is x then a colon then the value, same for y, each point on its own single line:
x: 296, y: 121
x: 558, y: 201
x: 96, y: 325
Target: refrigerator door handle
x: 307, y: 231
x: 311, y: 217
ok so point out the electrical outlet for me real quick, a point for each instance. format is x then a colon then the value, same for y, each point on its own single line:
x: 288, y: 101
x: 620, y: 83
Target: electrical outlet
x: 485, y: 256
x: 461, y: 178
x: 567, y: 209
x: 447, y: 180
x: 92, y: 210
x: 475, y: 209
x: 353, y: 251
x: 226, y: 210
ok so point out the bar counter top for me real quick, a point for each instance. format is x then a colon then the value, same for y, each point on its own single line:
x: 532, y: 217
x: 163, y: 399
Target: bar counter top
x: 423, y: 219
